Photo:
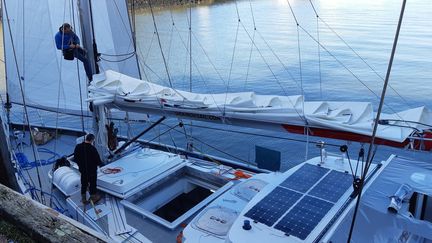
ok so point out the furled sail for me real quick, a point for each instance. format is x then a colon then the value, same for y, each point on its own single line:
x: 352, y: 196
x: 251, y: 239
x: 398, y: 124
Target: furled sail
x: 343, y: 120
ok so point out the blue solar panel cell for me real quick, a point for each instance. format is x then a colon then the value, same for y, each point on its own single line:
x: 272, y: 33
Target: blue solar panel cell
x: 273, y: 206
x: 304, y: 178
x: 304, y: 217
x: 333, y: 186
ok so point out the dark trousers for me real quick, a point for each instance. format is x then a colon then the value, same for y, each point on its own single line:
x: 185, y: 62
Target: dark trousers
x: 88, y: 180
x: 81, y: 54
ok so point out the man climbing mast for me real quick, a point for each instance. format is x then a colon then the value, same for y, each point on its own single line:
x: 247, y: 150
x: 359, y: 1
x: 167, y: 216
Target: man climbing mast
x: 67, y: 41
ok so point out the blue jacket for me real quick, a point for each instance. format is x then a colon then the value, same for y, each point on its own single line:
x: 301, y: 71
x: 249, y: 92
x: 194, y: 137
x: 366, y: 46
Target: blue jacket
x: 66, y: 39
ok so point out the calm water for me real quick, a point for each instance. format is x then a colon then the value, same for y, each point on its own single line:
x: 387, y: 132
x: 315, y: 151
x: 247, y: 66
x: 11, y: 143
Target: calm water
x: 224, y: 58
x: 223, y: 54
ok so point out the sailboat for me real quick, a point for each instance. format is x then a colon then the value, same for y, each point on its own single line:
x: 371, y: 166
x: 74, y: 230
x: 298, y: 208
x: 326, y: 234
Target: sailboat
x: 150, y: 190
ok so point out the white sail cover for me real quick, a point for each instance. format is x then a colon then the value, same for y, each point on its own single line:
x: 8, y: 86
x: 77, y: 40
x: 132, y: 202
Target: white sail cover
x: 132, y: 94
x: 49, y: 81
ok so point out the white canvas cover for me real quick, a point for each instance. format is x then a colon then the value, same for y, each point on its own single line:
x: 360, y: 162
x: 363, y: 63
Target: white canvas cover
x: 253, y: 109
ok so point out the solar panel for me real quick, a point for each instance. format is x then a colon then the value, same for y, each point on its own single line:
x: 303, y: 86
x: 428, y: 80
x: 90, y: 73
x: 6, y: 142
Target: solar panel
x: 273, y: 206
x: 304, y: 217
x: 304, y: 178
x: 333, y: 186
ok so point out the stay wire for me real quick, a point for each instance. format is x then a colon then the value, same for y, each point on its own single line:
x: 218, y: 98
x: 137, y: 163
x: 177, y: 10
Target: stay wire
x: 232, y: 58
x: 260, y: 135
x: 268, y: 66
x: 279, y: 60
x: 160, y: 44
x: 381, y: 104
x: 306, y: 128
x: 274, y: 75
x: 79, y: 80
x: 189, y: 138
x: 23, y: 98
x: 364, y: 61
x: 252, y: 46
x: 318, y: 46
x: 269, y: 47
x: 216, y: 149
x: 346, y: 68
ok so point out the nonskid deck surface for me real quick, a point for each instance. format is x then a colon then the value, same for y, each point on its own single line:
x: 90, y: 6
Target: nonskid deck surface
x: 109, y: 216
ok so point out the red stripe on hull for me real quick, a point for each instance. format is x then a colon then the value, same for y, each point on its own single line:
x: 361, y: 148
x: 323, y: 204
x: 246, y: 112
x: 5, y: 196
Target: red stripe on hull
x: 327, y: 133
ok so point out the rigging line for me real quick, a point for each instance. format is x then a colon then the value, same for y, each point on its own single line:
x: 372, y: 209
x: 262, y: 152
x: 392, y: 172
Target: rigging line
x: 319, y: 51
x: 261, y: 135
x: 190, y: 47
x: 57, y: 111
x: 170, y: 135
x: 292, y: 12
x: 340, y: 62
x: 208, y: 58
x: 274, y: 75
x: 232, y: 58
x: 59, y: 89
x: 194, y: 63
x: 143, y: 62
x: 270, y: 48
x: 190, y: 68
x: 375, y: 128
x: 170, y: 44
x: 199, y: 72
x: 160, y: 45
x: 129, y: 33
x: 23, y: 98
x: 123, y: 21
x: 252, y: 14
x: 364, y: 61
x: 405, y: 121
x: 349, y: 70
x: 79, y: 80
x: 278, y: 58
x: 118, y: 55
x: 133, y: 24
x: 212, y: 147
x: 250, y: 59
x: 299, y: 53
x: 251, y: 49
x: 121, y: 60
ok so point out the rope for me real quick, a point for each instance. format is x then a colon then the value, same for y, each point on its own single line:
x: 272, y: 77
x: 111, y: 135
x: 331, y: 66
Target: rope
x: 114, y: 170
x: 27, y: 165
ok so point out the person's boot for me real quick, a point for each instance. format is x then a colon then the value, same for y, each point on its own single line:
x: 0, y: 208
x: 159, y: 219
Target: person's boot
x: 95, y: 198
x: 84, y: 199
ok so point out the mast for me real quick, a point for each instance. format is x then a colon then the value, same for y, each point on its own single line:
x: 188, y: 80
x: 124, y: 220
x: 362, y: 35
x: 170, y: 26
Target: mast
x: 89, y: 42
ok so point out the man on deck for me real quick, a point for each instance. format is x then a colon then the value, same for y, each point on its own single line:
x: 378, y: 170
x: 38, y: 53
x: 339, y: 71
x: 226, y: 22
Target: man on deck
x: 67, y: 41
x: 87, y: 158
